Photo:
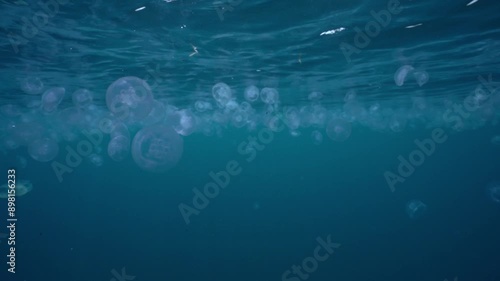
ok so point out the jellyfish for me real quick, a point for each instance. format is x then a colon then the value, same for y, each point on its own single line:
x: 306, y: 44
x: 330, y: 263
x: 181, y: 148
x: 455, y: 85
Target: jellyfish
x: 52, y: 98
x: 21, y: 186
x: 129, y: 98
x: 43, y: 150
x: 251, y: 93
x: 317, y: 137
x: 401, y: 73
x: 96, y: 159
x: 415, y: 209
x: 269, y: 95
x: 157, y: 148
x: 315, y: 96
x: 82, y: 98
x: 222, y: 94
x: 119, y: 148
x: 202, y: 106
x: 338, y: 130
x: 422, y: 77
x: 493, y: 191
x: 32, y: 85
x: 184, y: 122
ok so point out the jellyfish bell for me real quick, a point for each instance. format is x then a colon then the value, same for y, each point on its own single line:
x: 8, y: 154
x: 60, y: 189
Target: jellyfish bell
x: 129, y: 98
x: 21, y: 186
x: 43, y: 150
x: 52, y: 98
x: 157, y: 148
x: 119, y: 148
x: 338, y: 129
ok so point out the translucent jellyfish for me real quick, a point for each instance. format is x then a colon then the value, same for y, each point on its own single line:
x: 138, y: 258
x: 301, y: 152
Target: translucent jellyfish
x: 338, y: 129
x: 493, y: 191
x: 401, y: 73
x: 202, y: 106
x: 251, y: 93
x: 269, y: 95
x: 315, y: 96
x: 21, y: 186
x: 119, y: 148
x: 10, y: 110
x: 183, y: 122
x: 495, y: 140
x: 415, y: 209
x: 422, y: 77
x: 119, y: 129
x: 239, y: 118
x: 222, y: 94
x: 96, y: 159
x: 157, y: 148
x: 292, y: 118
x: 52, y: 98
x: 43, y: 150
x: 82, y: 98
x: 317, y: 137
x: 32, y: 85
x: 129, y: 98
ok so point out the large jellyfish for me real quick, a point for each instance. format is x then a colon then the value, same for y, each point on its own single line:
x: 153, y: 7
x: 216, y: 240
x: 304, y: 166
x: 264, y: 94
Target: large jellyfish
x: 157, y: 148
x: 21, y: 186
x: 415, y: 209
x: 129, y: 98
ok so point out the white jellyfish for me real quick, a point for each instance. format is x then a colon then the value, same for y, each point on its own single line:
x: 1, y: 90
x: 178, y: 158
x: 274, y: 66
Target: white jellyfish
x: 52, y: 98
x: 338, y: 129
x: 251, y: 93
x: 222, y: 94
x: 119, y: 148
x: 183, y: 122
x: 239, y: 118
x: 269, y: 95
x: 129, y: 98
x: 401, y: 73
x: 317, y: 137
x: 43, y: 150
x: 157, y: 148
x: 82, y: 98
x: 415, y: 209
x: 21, y: 187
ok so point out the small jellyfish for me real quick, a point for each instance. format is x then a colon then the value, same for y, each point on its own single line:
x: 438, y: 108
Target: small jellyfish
x: 52, y: 98
x: 422, y: 77
x: 32, y: 85
x: 96, y: 159
x: 317, y: 137
x: 251, y: 93
x: 269, y: 95
x: 119, y: 148
x: 184, y: 122
x: 157, y: 148
x: 82, y: 98
x: 222, y: 94
x: 338, y: 129
x: 495, y: 140
x: 202, y: 106
x: 129, y: 98
x: 43, y: 150
x: 401, y: 73
x: 415, y: 209
x: 21, y: 187
x: 239, y: 118
x: 493, y: 191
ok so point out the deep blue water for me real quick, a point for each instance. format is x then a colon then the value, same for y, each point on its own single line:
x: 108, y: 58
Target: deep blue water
x: 384, y: 146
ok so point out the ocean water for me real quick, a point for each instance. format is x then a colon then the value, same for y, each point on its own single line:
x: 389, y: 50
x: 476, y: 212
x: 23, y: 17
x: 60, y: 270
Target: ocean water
x: 256, y: 140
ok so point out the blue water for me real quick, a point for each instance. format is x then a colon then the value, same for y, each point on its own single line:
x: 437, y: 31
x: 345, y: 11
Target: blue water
x: 251, y: 140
